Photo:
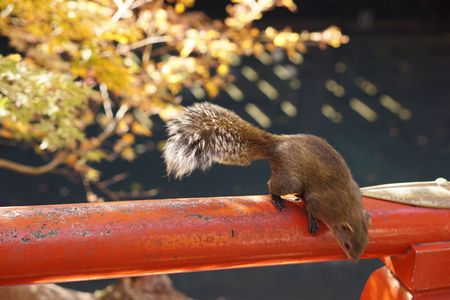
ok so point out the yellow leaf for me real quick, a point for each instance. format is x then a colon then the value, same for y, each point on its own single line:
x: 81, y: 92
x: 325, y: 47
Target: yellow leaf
x: 137, y: 128
x: 6, y: 134
x: 128, y: 153
x: 128, y: 139
x: 14, y: 57
x: 122, y: 126
x: 212, y: 89
x: 188, y: 46
x: 279, y: 40
x: 180, y: 8
x: 71, y: 159
x: 93, y: 175
x: 223, y: 69
x: 170, y: 112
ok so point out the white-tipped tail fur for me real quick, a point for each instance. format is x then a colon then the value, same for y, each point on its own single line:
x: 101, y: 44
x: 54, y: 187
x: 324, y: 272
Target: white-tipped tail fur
x: 207, y: 133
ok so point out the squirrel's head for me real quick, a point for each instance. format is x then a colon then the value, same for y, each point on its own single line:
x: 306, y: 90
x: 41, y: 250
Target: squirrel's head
x: 352, y: 233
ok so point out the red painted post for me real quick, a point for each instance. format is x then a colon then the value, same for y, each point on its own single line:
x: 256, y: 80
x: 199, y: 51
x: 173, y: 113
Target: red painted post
x: 58, y: 243
x: 421, y: 273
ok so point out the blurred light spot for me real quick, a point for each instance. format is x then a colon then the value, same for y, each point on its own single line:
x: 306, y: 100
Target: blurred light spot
x: 365, y: 19
x: 64, y: 192
x: 8, y: 9
x: 278, y: 55
x: 150, y: 88
x: 289, y: 109
x: 264, y: 57
x: 223, y: 69
x: 44, y: 144
x: 362, y: 109
x: 285, y: 72
x: 136, y: 187
x: 395, y: 107
x: 295, y: 84
x: 446, y: 36
x: 234, y: 60
x: 160, y: 145
x: 43, y: 188
x: 234, y: 92
x: 141, y: 148
x: 86, y: 54
x: 370, y: 177
x: 329, y: 112
x: 261, y: 118
x: 295, y: 57
x: 335, y: 88
x: 389, y: 103
x: 267, y: 89
x: 249, y: 73
x: 198, y: 92
x: 422, y: 140
x: 405, y: 67
x: 237, y: 189
x: 393, y: 131
x: 405, y: 114
x: 366, y: 86
x: 340, y: 67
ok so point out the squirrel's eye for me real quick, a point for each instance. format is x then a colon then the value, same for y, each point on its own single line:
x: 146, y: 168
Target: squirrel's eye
x: 344, y: 228
x: 347, y: 246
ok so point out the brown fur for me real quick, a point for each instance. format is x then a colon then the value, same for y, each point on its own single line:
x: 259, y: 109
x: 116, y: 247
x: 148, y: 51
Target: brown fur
x: 308, y: 166
x: 301, y: 164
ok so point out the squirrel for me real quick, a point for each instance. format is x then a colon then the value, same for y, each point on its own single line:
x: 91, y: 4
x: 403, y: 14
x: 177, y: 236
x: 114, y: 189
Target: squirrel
x: 301, y: 164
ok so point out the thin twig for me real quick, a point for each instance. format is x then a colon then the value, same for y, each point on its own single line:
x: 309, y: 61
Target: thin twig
x: 122, y: 9
x: 70, y: 174
x: 32, y: 170
x: 109, y: 193
x: 115, y: 179
x: 118, y: 195
x: 121, y: 111
x: 106, y: 101
x: 111, y: 127
x: 146, y: 55
x: 159, y: 51
x: 138, y: 3
x: 90, y: 195
x: 103, y: 186
x: 7, y: 142
x: 147, y: 41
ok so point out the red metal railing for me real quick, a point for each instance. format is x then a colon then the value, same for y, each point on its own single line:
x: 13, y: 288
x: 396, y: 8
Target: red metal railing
x: 56, y: 243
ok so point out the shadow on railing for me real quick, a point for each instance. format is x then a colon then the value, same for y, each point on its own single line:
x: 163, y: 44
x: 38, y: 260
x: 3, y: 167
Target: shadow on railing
x: 56, y: 243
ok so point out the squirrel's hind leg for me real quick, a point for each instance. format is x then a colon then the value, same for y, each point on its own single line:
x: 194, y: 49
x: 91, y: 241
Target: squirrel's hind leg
x: 278, y: 202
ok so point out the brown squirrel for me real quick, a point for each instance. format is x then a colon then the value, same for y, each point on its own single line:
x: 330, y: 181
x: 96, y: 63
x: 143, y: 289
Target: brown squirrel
x: 301, y: 164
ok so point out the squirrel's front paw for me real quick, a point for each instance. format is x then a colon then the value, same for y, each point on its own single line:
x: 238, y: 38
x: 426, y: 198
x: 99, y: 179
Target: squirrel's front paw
x: 313, y: 227
x: 278, y: 202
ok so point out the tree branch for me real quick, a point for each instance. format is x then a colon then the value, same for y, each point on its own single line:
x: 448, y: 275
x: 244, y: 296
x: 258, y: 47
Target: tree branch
x: 142, y: 43
x: 32, y: 170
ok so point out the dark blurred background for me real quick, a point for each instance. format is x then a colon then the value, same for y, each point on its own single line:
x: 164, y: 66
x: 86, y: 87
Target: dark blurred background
x: 382, y: 100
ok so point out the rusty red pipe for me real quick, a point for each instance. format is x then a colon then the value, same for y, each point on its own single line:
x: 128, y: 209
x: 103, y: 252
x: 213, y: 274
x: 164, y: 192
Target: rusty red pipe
x: 56, y: 243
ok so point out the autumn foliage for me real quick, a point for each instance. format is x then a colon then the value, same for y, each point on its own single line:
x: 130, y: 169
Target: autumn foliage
x: 109, y: 65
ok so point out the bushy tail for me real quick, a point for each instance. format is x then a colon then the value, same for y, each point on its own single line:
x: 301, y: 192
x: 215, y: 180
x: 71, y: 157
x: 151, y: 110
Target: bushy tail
x: 207, y: 133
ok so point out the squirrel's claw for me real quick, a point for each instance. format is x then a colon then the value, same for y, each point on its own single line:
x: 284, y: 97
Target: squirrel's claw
x: 313, y: 226
x: 278, y: 202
